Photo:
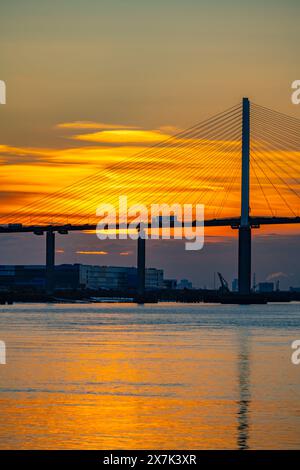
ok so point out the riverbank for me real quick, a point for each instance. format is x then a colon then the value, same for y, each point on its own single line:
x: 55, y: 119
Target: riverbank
x: 180, y: 296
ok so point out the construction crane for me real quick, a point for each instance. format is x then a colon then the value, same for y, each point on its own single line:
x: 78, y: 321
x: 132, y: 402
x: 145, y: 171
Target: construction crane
x: 224, y: 289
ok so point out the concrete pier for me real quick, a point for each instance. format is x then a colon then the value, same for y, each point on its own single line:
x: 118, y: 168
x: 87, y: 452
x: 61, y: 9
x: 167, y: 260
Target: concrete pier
x: 50, y: 262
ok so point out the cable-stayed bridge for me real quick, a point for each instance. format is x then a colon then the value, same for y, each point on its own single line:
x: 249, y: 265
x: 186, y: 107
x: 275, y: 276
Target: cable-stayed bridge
x: 243, y: 164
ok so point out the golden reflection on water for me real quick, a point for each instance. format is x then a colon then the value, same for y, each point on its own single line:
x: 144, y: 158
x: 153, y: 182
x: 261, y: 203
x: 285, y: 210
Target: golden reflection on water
x: 117, y: 378
x: 244, y: 389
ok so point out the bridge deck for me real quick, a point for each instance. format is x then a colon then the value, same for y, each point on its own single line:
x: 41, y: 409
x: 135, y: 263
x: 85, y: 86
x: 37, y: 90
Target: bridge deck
x: 227, y: 222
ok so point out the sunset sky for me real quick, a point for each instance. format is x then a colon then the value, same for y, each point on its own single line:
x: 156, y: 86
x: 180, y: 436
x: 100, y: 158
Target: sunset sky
x: 92, y: 83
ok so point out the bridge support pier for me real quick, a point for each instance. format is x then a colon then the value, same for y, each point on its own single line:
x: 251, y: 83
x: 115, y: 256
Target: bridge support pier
x: 141, y: 268
x: 50, y: 262
x: 244, y: 260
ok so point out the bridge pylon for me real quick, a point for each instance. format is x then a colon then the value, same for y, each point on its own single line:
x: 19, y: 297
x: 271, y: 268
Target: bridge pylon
x: 141, y: 266
x: 244, y: 263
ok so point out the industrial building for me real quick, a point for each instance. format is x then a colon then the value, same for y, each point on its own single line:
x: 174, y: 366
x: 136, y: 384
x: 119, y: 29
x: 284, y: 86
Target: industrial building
x: 78, y: 276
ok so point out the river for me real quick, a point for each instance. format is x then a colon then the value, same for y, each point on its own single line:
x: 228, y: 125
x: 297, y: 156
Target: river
x: 163, y: 376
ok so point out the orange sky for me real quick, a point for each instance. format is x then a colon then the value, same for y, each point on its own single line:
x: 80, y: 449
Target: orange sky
x: 120, y: 164
x: 89, y: 87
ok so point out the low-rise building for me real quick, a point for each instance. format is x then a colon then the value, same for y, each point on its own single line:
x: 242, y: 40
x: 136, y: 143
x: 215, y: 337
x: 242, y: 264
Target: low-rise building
x: 235, y: 285
x: 154, y: 279
x: 184, y: 284
x: 266, y: 287
x: 170, y: 283
x: 294, y: 289
x: 79, y: 276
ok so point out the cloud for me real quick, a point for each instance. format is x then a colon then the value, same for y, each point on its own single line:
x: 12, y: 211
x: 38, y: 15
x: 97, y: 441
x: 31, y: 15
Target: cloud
x: 123, y: 136
x: 170, y: 129
x: 80, y: 176
x: 92, y: 252
x: 92, y: 125
x: 277, y: 275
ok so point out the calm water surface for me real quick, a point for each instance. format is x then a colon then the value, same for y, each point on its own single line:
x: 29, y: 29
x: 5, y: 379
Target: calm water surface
x: 166, y: 376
